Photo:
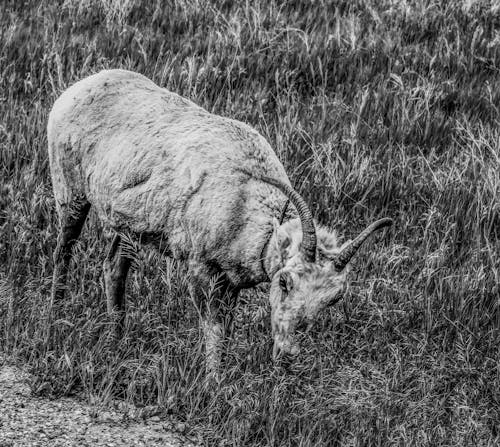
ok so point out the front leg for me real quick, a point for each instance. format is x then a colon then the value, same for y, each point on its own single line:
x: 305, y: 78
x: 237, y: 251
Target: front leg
x: 213, y: 334
x: 215, y: 298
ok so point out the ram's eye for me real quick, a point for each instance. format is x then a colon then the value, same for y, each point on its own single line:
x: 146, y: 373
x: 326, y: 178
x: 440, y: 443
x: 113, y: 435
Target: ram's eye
x: 286, y: 282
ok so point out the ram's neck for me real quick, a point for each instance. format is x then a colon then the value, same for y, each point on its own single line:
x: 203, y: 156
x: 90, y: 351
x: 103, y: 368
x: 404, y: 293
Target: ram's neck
x: 270, y: 262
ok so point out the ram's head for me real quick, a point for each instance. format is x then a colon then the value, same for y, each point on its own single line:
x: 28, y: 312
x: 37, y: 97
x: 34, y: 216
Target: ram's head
x: 308, y: 272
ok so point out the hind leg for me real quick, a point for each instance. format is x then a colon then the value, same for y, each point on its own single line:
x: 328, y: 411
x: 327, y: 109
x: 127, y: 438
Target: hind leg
x: 71, y: 219
x: 115, y: 268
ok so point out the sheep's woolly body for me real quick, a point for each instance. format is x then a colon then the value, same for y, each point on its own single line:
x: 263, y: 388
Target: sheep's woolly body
x: 156, y: 164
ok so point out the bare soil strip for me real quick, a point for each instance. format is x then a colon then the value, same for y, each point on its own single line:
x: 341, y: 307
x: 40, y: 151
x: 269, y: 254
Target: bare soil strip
x: 31, y: 421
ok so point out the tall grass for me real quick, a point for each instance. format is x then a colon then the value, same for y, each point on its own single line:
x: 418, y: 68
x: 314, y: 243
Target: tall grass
x: 375, y: 108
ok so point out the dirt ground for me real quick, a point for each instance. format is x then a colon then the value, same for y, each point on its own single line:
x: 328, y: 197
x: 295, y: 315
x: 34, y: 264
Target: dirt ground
x: 31, y: 421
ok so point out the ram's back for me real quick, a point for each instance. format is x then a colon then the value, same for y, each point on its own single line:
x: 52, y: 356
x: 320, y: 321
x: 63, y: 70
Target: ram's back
x: 153, y: 162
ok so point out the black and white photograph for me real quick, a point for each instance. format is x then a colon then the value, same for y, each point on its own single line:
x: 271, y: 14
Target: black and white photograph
x: 249, y: 223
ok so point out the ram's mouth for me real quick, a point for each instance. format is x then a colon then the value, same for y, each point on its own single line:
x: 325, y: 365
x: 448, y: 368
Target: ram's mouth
x: 284, y: 347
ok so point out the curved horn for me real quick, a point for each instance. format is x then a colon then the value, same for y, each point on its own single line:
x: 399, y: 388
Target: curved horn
x: 283, y: 211
x: 308, y: 246
x: 350, y: 250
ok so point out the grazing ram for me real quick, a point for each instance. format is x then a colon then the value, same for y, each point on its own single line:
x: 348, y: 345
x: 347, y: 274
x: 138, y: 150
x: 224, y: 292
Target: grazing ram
x: 204, y: 189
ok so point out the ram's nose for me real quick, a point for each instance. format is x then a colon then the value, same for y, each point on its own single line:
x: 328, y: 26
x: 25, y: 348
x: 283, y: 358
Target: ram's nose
x: 285, y: 350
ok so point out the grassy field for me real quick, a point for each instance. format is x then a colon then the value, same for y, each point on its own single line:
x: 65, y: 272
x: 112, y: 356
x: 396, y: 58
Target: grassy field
x: 376, y: 108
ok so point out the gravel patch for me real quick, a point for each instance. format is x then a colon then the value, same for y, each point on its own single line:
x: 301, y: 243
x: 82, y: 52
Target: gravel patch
x: 31, y: 421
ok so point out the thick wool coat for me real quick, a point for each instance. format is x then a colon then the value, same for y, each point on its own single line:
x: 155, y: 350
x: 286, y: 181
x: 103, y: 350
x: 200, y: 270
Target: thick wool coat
x: 157, y: 165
